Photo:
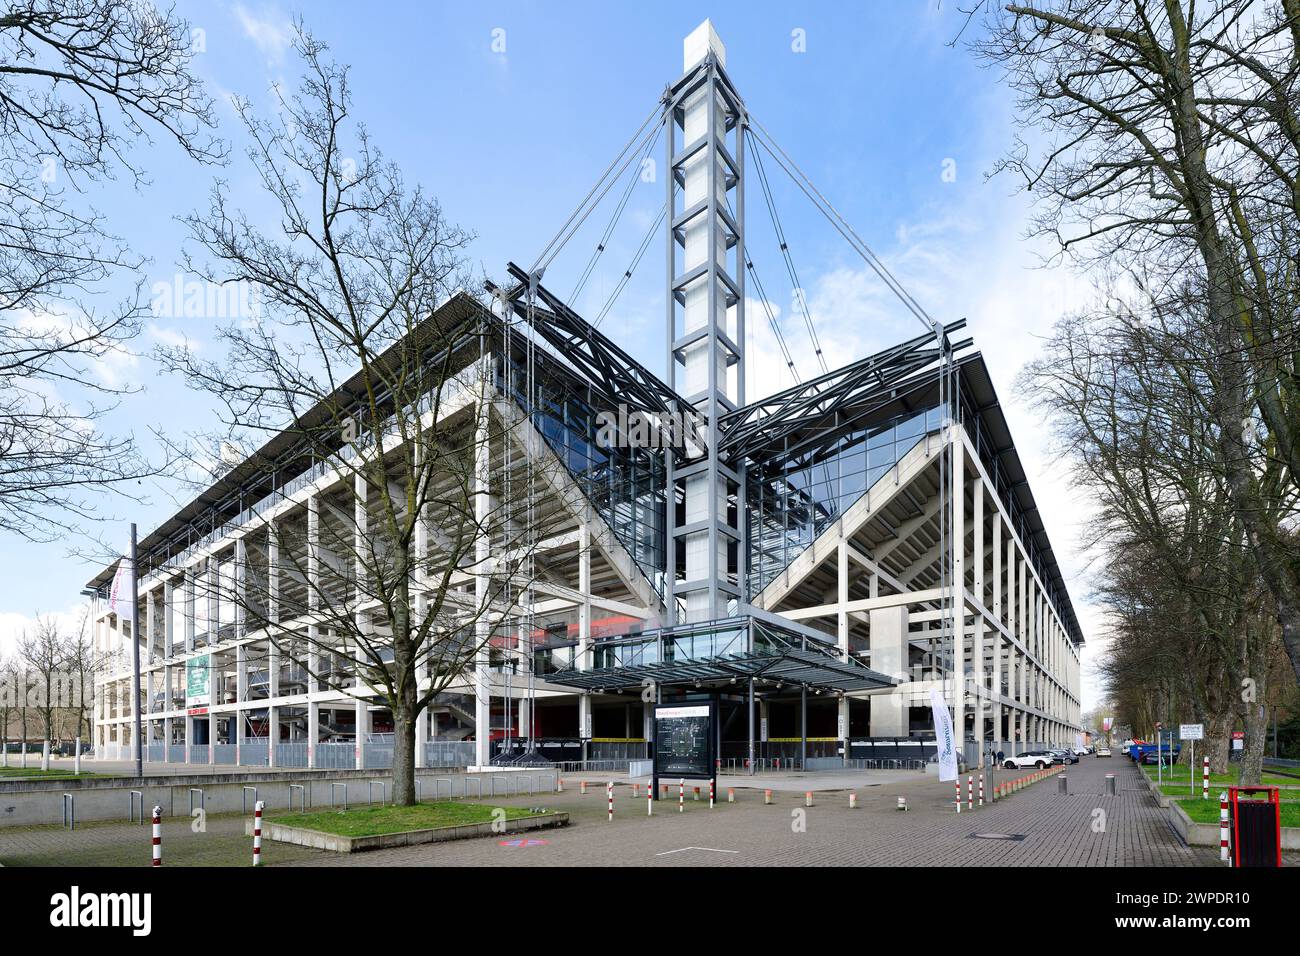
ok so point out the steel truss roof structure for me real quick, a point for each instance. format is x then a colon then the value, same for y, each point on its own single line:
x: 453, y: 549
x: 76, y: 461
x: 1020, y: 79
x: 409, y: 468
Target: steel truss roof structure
x: 808, y: 417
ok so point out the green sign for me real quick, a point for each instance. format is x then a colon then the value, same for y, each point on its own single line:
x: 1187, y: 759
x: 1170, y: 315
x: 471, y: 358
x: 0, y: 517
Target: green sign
x: 198, y: 682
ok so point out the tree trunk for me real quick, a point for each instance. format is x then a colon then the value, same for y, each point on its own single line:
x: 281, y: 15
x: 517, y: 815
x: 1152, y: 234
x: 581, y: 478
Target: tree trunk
x: 403, y: 757
x: 1256, y: 738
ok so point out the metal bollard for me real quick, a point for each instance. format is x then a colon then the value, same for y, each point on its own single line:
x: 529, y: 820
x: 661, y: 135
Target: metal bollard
x: 902, y: 803
x: 1205, y: 779
x: 681, y: 795
x: 957, y: 786
x: 650, y: 800
x: 712, y: 792
x: 1062, y: 784
x: 981, y: 789
x: 609, y: 794
x: 1110, y: 784
x: 970, y: 792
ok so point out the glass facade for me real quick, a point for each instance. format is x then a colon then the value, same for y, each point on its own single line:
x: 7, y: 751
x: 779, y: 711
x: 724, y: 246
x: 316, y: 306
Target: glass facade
x: 626, y: 485
x: 790, y: 504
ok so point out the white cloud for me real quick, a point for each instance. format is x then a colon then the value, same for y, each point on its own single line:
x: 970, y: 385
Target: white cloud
x: 14, y: 625
x: 270, y: 31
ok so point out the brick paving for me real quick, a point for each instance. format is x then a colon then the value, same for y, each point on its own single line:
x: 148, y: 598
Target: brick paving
x: 1057, y: 830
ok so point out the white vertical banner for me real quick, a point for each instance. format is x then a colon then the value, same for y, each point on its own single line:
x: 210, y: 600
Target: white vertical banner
x: 119, y: 598
x: 943, y: 735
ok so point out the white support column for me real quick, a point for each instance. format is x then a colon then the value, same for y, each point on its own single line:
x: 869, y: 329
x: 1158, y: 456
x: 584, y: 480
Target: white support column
x: 998, y: 735
x: 313, y: 732
x: 977, y: 666
x: 957, y: 528
x: 363, y: 729
x: 482, y: 553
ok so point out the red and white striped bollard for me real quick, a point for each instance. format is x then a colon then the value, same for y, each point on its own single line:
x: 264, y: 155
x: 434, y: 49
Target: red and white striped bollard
x: 1205, y: 779
x: 609, y: 793
x: 257, y: 832
x: 157, y: 836
x: 1224, y: 855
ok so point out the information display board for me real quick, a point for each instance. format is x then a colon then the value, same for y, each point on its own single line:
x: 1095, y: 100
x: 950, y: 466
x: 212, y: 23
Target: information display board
x: 684, y: 740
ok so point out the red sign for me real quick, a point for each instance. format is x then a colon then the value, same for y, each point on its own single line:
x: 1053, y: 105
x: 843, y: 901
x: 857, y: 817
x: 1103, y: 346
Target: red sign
x: 197, y: 711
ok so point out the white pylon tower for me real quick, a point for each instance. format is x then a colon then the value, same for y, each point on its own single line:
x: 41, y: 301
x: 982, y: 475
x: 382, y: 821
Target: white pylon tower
x: 705, y: 128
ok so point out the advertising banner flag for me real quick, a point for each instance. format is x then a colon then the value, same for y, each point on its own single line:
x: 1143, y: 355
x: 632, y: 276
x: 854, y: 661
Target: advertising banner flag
x: 119, y: 598
x: 943, y: 735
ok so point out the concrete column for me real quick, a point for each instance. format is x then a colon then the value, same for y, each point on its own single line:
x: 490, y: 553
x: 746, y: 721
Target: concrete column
x: 421, y: 736
x: 363, y: 728
x: 889, y: 647
x: 981, y: 628
x: 313, y: 732
x: 482, y: 628
x: 584, y: 626
x: 957, y: 526
x: 997, y: 634
x: 149, y: 626
x: 273, y: 574
x: 190, y: 608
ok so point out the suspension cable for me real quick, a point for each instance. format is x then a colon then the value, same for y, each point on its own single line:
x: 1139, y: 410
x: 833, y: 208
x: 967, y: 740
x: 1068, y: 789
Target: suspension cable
x: 614, y: 219
x: 841, y: 225
x: 796, y: 285
x: 579, y: 216
x: 636, y: 261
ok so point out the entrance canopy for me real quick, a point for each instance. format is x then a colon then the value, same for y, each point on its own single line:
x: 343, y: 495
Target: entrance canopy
x: 720, y: 652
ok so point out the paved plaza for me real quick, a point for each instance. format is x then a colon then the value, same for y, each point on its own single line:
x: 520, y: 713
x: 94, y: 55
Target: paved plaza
x: 1038, y: 826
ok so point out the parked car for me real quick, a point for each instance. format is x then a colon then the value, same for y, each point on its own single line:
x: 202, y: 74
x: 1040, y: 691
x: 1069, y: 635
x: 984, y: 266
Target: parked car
x: 1080, y: 751
x: 1103, y: 752
x: 1037, y: 759
x: 1064, y: 756
x: 1151, y: 757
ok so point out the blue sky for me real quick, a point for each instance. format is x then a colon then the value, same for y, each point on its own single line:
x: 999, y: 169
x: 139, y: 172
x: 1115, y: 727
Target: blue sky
x: 875, y: 109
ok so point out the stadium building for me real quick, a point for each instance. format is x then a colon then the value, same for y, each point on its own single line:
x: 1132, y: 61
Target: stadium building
x: 816, y: 562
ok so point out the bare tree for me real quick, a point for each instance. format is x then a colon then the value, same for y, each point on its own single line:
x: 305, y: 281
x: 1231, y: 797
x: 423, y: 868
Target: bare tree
x: 1167, y: 135
x: 44, y: 653
x: 82, y: 82
x: 400, y: 575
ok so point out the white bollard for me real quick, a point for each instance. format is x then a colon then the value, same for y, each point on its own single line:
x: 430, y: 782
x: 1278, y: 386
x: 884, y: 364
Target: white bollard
x: 712, y: 792
x: 681, y: 795
x: 970, y: 792
x: 650, y: 800
x: 45, y: 755
x: 981, y: 789
x: 902, y: 803
x: 76, y: 757
x: 957, y: 784
x: 1205, y: 779
x: 609, y: 793
x: 257, y: 832
x: 157, y: 836
x: 853, y: 800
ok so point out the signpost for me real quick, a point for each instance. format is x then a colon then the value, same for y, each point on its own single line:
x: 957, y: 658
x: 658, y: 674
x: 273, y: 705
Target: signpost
x: 685, y: 742
x: 1192, y: 732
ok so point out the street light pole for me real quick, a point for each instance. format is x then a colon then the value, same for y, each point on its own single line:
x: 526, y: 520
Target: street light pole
x: 135, y: 659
